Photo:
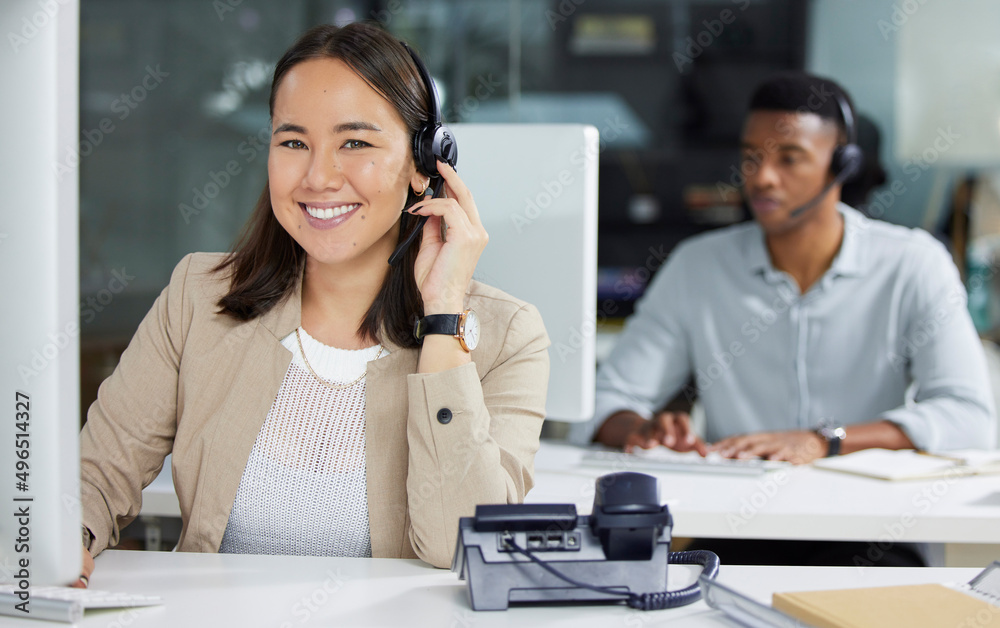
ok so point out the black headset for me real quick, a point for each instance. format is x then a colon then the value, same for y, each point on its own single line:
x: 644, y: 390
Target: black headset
x: 847, y: 159
x: 433, y: 141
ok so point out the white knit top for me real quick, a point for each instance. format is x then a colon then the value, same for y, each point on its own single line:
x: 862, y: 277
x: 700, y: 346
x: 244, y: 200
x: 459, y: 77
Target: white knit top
x: 303, y: 491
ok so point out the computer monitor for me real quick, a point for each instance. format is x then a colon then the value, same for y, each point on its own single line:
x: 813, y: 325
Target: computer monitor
x: 39, y: 335
x: 535, y: 186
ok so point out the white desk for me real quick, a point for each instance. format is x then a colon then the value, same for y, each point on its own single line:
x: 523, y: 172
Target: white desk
x: 798, y: 503
x: 293, y: 591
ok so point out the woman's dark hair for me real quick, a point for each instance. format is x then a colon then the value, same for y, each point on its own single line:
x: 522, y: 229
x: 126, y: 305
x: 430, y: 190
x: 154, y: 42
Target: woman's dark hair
x: 266, y: 261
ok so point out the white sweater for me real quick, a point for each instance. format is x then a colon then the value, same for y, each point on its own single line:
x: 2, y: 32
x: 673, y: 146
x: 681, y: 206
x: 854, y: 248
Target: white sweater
x: 303, y: 491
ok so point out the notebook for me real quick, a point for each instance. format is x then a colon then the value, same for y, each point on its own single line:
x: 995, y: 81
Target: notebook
x: 913, y: 606
x: 907, y: 464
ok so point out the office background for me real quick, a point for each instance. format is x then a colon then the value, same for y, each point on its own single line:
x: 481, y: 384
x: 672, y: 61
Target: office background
x: 173, y: 118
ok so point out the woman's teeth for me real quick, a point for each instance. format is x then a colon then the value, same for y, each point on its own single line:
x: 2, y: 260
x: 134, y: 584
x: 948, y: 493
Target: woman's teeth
x: 331, y: 212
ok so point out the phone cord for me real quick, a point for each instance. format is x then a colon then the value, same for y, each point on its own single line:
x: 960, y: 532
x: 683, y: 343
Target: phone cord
x: 682, y: 597
x: 645, y: 601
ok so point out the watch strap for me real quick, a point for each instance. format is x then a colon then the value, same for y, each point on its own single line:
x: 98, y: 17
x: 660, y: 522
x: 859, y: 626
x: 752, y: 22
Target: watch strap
x: 834, y: 437
x: 443, y: 324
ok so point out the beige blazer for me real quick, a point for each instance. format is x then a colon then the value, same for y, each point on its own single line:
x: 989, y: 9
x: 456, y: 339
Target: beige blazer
x: 200, y: 384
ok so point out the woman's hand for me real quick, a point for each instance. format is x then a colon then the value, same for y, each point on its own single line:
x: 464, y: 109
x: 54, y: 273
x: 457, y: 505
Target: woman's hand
x: 88, y: 568
x: 444, y: 266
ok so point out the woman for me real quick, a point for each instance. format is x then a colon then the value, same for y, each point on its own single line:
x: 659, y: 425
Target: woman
x: 303, y: 415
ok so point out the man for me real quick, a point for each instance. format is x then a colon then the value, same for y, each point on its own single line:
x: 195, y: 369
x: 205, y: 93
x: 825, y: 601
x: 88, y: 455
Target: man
x: 804, y: 329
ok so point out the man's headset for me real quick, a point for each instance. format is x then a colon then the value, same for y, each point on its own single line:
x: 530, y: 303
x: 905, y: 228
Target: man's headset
x: 433, y: 141
x: 847, y: 158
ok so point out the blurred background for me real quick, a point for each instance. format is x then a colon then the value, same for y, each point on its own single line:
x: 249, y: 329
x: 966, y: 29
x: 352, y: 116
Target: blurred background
x: 174, y: 122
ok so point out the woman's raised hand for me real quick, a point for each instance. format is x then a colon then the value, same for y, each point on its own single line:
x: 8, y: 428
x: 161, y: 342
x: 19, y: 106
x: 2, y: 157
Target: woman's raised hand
x: 444, y: 266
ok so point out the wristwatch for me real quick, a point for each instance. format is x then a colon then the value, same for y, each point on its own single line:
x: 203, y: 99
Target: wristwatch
x: 464, y: 326
x: 834, y: 437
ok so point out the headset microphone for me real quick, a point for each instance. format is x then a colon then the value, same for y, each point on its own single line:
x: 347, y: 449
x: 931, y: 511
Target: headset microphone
x: 798, y: 211
x: 847, y: 159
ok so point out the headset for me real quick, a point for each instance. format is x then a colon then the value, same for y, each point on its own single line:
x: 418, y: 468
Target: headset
x: 847, y: 159
x: 433, y: 141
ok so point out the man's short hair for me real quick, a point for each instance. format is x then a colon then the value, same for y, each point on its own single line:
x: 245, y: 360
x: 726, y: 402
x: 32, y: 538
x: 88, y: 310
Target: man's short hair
x: 803, y: 93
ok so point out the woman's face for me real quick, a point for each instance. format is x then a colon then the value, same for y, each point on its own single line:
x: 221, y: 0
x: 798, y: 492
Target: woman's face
x: 340, y: 164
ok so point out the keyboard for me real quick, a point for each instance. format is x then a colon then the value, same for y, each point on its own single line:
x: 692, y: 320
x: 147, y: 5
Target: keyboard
x: 663, y: 459
x: 67, y: 604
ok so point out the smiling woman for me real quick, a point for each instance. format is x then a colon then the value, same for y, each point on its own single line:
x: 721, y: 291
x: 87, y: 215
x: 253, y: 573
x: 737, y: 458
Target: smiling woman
x: 304, y: 414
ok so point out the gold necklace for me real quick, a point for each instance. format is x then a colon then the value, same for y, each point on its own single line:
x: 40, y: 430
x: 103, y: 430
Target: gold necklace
x: 323, y: 381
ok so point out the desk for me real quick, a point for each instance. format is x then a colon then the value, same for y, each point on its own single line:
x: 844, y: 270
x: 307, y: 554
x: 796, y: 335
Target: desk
x: 798, y: 503
x: 294, y: 591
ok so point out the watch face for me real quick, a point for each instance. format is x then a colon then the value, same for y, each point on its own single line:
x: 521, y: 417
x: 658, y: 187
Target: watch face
x: 470, y: 331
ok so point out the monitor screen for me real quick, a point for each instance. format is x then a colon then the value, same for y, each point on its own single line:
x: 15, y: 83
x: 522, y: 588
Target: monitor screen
x: 40, y: 364
x: 535, y: 186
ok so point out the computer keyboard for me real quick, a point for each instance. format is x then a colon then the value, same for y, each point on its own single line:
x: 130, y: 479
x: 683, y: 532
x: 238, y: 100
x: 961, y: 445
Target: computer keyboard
x: 663, y: 459
x: 67, y: 604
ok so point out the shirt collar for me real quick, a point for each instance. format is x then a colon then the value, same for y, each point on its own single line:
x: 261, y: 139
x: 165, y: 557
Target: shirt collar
x: 848, y: 261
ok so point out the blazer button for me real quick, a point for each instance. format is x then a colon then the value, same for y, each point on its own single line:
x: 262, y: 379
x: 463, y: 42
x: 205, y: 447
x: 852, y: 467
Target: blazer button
x: 444, y: 416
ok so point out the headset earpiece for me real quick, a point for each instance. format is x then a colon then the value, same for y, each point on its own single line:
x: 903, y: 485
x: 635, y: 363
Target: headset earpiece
x: 433, y: 140
x: 431, y: 143
x: 848, y: 158
x: 847, y: 161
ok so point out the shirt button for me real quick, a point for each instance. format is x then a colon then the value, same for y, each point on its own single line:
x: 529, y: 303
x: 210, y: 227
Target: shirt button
x: 444, y: 416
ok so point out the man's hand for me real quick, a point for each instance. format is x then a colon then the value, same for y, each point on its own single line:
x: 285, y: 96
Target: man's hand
x: 797, y: 447
x: 628, y: 430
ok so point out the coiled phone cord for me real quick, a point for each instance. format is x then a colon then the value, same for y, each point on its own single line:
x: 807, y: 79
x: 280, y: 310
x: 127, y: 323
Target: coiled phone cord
x: 645, y: 601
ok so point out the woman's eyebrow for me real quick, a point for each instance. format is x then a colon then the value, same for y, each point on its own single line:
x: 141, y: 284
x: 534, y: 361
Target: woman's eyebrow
x: 290, y: 128
x: 356, y: 126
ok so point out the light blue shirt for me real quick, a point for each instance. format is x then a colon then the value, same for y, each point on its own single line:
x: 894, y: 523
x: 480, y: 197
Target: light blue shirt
x: 889, y: 313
